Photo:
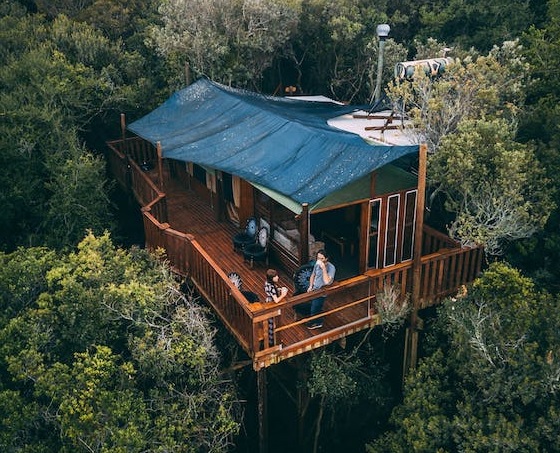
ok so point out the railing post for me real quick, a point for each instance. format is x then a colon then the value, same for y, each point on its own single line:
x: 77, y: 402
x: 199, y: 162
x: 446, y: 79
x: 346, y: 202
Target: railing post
x: 189, y: 254
x: 123, y: 128
x: 160, y: 165
x: 411, y: 339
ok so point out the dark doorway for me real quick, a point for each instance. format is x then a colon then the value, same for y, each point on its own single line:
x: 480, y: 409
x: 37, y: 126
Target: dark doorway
x: 339, y: 230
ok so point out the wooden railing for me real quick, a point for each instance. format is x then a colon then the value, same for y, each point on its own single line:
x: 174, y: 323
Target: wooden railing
x: 269, y: 334
x: 350, y: 304
x: 433, y: 240
x: 445, y: 271
x: 123, y: 158
x: 135, y: 149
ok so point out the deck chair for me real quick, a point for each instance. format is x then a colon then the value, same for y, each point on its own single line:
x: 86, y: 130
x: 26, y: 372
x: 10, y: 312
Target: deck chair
x: 301, y: 277
x: 235, y: 278
x: 301, y: 283
x: 259, y: 250
x: 247, y: 236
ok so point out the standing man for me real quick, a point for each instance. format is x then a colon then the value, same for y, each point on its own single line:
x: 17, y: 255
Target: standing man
x: 322, y: 275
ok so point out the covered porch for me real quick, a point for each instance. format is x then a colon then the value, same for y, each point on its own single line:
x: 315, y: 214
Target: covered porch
x: 199, y: 248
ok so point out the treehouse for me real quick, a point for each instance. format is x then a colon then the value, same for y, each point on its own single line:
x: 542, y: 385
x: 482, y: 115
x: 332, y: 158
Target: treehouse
x: 292, y: 176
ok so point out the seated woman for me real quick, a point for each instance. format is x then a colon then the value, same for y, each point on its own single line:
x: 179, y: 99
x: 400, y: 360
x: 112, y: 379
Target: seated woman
x: 273, y: 292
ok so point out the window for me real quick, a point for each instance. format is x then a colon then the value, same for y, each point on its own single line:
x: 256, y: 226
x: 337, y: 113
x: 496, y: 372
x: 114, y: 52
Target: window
x: 391, y: 230
x: 409, y: 224
x: 373, y: 236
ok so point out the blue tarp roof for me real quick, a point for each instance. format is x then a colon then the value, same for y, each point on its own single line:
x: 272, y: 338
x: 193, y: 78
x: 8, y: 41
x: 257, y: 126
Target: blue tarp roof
x: 280, y: 143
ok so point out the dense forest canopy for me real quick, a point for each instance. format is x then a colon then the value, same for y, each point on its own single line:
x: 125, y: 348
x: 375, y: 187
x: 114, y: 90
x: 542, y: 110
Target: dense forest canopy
x: 77, y: 355
x: 101, y: 351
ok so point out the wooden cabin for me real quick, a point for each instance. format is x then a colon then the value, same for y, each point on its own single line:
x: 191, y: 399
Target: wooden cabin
x: 316, y: 175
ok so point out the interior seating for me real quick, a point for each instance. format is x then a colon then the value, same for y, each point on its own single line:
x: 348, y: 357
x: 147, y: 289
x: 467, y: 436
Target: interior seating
x: 257, y: 251
x: 247, y: 236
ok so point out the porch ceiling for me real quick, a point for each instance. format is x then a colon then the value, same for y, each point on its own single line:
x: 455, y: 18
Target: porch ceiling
x: 388, y: 179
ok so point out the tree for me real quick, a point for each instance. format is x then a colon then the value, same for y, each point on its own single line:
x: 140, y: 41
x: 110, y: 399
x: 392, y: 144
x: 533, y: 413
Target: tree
x: 477, y: 24
x: 471, y: 87
x: 57, y: 77
x: 335, y: 49
x: 335, y: 387
x: 231, y: 42
x: 117, y: 19
x: 102, y: 352
x: 489, y: 381
x: 538, y: 255
x: 493, y: 185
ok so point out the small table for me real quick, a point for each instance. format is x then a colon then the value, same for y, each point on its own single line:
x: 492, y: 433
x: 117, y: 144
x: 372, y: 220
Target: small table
x: 341, y: 241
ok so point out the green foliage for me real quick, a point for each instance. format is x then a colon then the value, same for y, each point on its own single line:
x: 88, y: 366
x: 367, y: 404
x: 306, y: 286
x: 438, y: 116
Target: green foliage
x: 423, y: 414
x: 342, y: 384
x: 102, y: 352
x: 115, y: 18
x: 22, y: 280
x: 540, y: 255
x: 476, y: 24
x: 491, y: 381
x: 329, y: 379
x: 494, y: 184
x: 78, y: 187
x: 392, y: 308
x: 231, y: 42
x: 472, y: 87
x: 99, y: 408
x: 56, y: 79
x: 336, y: 49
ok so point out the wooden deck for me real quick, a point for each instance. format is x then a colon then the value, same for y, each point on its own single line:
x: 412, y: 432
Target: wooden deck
x: 188, y: 213
x: 200, y: 248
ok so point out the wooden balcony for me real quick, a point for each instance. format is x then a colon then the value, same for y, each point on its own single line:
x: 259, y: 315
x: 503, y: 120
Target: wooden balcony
x: 200, y: 248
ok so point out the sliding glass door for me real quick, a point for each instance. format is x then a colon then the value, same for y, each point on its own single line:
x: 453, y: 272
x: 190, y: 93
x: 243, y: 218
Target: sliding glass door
x: 391, y: 229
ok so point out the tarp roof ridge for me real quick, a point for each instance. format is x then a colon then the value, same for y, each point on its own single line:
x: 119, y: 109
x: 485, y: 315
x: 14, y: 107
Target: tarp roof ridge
x: 266, y: 102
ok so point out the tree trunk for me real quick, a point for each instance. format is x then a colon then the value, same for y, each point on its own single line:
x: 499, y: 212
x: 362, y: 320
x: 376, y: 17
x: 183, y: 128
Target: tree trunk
x: 318, y: 426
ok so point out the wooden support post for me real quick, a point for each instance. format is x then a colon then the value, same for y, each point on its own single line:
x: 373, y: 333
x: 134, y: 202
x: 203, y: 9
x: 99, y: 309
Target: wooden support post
x: 372, y: 181
x: 246, y: 202
x: 304, y: 234
x: 160, y: 165
x: 125, y: 151
x: 123, y: 128
x: 302, y: 399
x: 410, y: 355
x: 411, y: 339
x: 262, y: 409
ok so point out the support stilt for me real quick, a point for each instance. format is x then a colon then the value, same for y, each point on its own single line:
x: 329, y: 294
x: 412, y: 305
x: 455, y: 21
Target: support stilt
x: 262, y: 409
x: 411, y: 339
